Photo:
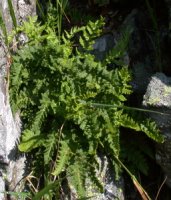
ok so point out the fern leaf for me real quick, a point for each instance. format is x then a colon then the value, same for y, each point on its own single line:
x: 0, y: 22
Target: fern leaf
x: 50, y: 144
x: 46, y: 190
x: 129, y: 122
x: 30, y: 141
x: 64, y: 155
x: 76, y: 178
x: 150, y: 129
x: 147, y: 126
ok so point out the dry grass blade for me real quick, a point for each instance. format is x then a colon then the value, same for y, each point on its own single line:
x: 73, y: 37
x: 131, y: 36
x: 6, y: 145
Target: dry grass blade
x: 160, y: 188
x: 138, y: 186
x: 141, y: 191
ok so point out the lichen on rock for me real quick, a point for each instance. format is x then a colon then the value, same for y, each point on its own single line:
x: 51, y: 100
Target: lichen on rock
x: 158, y: 97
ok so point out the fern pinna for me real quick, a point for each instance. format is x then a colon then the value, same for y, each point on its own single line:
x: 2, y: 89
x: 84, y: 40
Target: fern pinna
x: 60, y: 91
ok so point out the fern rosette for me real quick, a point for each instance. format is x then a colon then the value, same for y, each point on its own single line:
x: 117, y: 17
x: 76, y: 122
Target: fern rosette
x: 71, y: 105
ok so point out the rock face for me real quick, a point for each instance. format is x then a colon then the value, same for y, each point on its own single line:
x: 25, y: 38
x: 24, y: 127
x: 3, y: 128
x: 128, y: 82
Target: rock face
x: 11, y: 162
x: 103, y: 45
x: 112, y: 188
x: 158, y: 97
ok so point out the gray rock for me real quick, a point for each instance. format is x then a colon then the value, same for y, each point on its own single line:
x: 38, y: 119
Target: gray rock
x: 26, y: 8
x: 158, y: 97
x: 105, y: 43
x: 11, y: 166
x: 159, y: 91
x: 112, y: 189
x: 102, y: 45
x: 141, y: 77
x: 12, y: 163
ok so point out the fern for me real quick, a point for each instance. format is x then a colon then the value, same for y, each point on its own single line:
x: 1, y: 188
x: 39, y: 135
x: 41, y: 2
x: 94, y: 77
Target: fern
x: 77, y: 177
x: 63, y: 158
x: 46, y: 190
x: 54, y: 82
x: 147, y: 126
x: 30, y: 141
x: 50, y: 146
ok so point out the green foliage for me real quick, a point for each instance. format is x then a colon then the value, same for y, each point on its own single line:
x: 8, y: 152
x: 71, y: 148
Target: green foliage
x: 2, y: 22
x: 12, y: 13
x: 3, y: 28
x: 46, y: 190
x: 64, y: 155
x: 18, y: 195
x: 59, y: 90
x: 131, y: 150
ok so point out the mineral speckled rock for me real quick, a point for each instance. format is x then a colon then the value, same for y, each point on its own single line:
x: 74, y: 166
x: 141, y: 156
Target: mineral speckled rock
x: 158, y: 97
x: 112, y: 188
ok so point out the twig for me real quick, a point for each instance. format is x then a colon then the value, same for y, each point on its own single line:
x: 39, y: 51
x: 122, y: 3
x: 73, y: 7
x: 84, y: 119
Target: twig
x: 160, y: 188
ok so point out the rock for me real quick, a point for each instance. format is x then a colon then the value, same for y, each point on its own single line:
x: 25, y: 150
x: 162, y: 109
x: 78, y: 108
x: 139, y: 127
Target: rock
x: 158, y: 97
x: 112, y: 188
x: 103, y: 45
x: 12, y: 163
x: 25, y: 9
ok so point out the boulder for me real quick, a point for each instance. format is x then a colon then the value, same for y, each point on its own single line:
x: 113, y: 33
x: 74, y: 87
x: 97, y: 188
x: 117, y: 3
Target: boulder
x: 158, y: 98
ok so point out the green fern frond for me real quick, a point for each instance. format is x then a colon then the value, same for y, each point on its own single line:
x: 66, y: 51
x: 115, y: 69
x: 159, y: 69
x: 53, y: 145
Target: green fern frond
x: 63, y: 158
x: 50, y: 146
x: 18, y: 195
x: 150, y: 129
x: 128, y: 122
x: 46, y: 190
x: 139, y: 124
x: 77, y: 174
x: 119, y: 50
x: 89, y: 32
x: 41, y: 114
x: 30, y: 141
x: 93, y: 175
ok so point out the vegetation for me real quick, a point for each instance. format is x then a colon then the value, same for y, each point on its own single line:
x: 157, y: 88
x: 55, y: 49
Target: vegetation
x: 72, y: 106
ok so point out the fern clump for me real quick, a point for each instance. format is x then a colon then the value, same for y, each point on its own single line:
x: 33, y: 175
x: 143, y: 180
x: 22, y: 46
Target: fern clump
x: 62, y: 94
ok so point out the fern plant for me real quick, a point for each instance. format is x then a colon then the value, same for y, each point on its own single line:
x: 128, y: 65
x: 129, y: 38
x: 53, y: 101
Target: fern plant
x: 62, y: 94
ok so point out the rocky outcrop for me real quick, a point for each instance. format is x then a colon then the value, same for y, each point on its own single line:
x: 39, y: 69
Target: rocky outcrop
x: 111, y: 188
x: 158, y: 97
x: 12, y: 163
